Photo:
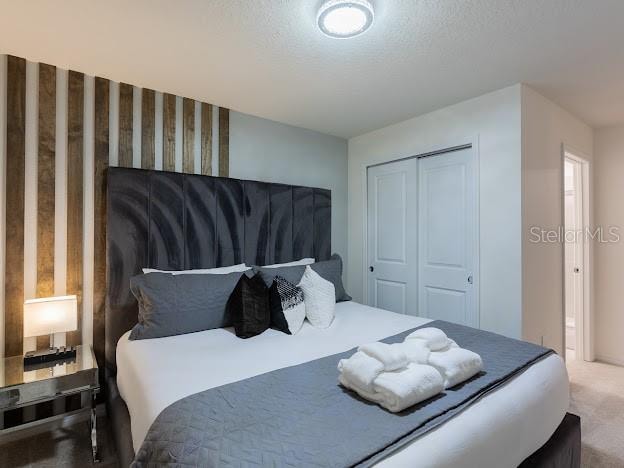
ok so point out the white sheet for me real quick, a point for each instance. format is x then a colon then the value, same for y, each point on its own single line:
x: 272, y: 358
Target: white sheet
x: 500, y: 430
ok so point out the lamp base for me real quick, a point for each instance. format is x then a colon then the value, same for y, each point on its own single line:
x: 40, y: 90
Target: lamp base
x: 49, y: 355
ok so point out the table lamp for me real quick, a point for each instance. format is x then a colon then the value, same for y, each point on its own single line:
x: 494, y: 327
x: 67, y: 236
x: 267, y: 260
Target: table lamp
x: 47, y: 316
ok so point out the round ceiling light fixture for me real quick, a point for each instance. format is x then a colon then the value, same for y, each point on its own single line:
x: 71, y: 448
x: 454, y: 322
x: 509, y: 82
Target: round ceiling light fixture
x: 343, y: 19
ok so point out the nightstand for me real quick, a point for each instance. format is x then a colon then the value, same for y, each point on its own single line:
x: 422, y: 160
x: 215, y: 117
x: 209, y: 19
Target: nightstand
x: 20, y: 387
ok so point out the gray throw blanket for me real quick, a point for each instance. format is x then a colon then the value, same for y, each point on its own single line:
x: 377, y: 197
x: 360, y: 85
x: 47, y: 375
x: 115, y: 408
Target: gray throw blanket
x: 300, y: 416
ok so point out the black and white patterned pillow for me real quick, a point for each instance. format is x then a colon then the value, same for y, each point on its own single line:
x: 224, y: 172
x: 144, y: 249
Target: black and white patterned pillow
x: 287, y: 306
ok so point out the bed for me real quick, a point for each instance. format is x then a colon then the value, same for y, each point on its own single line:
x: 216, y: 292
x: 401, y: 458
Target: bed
x: 154, y: 219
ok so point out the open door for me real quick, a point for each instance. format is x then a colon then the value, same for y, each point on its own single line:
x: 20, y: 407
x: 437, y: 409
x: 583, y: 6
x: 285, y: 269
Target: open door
x: 576, y: 257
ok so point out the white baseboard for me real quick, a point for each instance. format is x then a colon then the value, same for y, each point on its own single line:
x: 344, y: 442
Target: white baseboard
x: 610, y: 360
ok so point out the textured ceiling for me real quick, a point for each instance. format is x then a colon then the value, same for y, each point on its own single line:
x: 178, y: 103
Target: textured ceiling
x: 267, y: 58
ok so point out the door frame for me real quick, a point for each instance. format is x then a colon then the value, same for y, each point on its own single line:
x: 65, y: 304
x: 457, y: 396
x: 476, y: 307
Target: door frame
x: 456, y: 145
x: 584, y: 326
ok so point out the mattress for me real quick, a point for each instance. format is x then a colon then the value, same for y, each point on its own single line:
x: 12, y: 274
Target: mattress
x: 501, y: 429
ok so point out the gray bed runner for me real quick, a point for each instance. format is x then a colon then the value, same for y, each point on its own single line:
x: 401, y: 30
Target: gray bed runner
x: 300, y: 416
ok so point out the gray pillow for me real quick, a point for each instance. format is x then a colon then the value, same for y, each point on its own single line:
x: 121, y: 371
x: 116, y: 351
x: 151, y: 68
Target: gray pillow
x: 331, y: 270
x: 292, y: 274
x: 177, y: 304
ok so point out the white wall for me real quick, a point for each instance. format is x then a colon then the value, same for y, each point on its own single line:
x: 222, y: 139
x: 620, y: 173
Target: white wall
x: 545, y: 128
x: 264, y: 150
x: 609, y: 257
x: 495, y: 119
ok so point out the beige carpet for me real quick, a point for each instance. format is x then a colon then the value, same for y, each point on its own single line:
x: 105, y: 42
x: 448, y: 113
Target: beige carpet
x: 597, y: 394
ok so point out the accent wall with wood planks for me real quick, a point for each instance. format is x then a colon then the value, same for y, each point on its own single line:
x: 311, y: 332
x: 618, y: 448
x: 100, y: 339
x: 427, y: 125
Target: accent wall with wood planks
x: 82, y: 125
x: 46, y: 166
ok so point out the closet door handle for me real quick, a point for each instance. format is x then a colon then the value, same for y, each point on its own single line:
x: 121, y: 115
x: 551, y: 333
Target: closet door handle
x: 470, y: 279
x: 371, y: 268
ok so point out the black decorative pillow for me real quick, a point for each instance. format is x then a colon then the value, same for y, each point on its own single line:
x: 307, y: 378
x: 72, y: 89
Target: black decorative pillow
x: 287, y: 306
x: 248, y: 307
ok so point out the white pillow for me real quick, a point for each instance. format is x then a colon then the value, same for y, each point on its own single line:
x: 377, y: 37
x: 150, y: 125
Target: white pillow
x: 303, y: 261
x: 319, y: 296
x: 295, y: 316
x: 202, y: 271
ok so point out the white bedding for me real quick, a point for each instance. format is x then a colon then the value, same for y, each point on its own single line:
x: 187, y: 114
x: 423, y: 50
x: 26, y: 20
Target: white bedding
x: 499, y: 430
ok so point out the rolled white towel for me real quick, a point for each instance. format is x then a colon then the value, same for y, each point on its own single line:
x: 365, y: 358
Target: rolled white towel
x: 456, y: 365
x: 435, y: 338
x: 404, y: 388
x: 451, y: 344
x: 370, y: 396
x: 416, y: 351
x: 361, y: 370
x: 392, y: 356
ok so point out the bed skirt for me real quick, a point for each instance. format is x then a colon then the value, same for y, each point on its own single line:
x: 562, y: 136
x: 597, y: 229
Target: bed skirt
x: 562, y: 450
x: 119, y: 417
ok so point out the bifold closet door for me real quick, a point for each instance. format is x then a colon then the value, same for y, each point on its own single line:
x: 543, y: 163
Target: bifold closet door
x: 392, y: 236
x: 447, y: 229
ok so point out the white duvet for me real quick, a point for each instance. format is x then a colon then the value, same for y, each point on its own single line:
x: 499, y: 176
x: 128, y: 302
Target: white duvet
x: 500, y: 430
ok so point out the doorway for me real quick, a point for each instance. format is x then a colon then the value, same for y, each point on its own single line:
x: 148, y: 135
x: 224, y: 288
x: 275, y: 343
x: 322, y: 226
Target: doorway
x: 576, y: 256
x: 422, y: 236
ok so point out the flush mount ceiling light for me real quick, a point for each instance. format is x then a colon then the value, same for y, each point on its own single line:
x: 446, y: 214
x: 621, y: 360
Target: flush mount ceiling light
x: 345, y: 18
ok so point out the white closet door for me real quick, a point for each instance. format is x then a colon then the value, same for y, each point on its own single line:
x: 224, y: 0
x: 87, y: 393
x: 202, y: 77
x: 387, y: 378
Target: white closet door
x: 447, y: 237
x: 392, y: 237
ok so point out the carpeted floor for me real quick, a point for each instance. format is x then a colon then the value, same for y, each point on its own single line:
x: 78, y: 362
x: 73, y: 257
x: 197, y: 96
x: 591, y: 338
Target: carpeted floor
x: 597, y: 394
x: 67, y: 448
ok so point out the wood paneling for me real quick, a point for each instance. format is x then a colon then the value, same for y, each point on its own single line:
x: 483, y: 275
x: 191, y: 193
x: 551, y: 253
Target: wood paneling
x: 101, y: 133
x: 76, y: 181
x: 15, y: 166
x: 188, y: 135
x: 206, y: 139
x: 45, y: 186
x: 75, y: 156
x: 224, y: 142
x: 169, y: 126
x: 125, y: 124
x: 148, y: 117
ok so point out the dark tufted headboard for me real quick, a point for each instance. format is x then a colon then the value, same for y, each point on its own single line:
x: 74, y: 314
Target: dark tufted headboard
x: 175, y: 221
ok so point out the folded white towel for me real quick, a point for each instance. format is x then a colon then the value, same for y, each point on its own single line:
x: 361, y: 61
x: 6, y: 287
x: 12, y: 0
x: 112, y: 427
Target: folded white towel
x: 456, y: 365
x: 370, y: 396
x: 392, y: 356
x: 361, y: 370
x: 404, y: 388
x: 416, y: 351
x: 435, y: 338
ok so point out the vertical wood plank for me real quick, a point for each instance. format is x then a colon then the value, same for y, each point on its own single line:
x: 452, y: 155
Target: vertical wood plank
x: 148, y: 117
x: 125, y: 124
x: 46, y: 186
x: 206, y: 139
x: 169, y: 122
x: 188, y: 135
x: 101, y: 135
x: 75, y: 155
x: 14, y: 241
x: 224, y: 142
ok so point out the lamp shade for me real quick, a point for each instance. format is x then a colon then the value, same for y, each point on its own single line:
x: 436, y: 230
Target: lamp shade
x: 48, y: 315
